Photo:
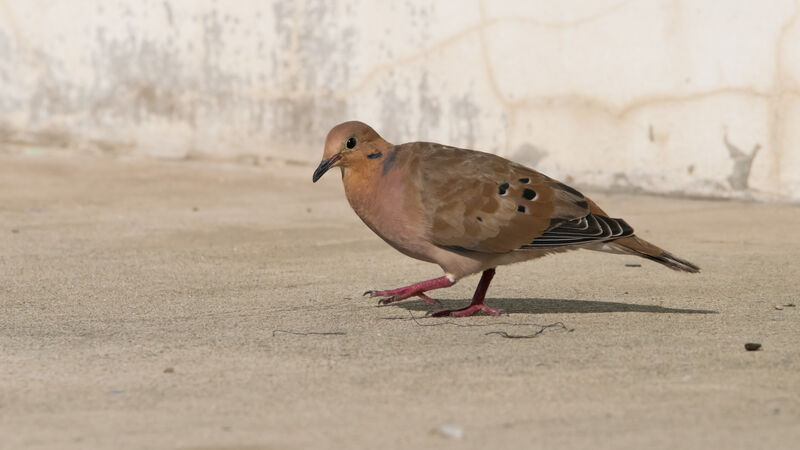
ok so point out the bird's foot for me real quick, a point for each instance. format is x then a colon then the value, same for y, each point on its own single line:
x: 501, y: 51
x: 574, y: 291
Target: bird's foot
x: 468, y: 311
x: 395, y: 295
x: 391, y: 295
x: 414, y: 290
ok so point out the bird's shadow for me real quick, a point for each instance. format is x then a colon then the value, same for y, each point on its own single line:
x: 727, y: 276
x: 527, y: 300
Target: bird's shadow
x: 550, y: 306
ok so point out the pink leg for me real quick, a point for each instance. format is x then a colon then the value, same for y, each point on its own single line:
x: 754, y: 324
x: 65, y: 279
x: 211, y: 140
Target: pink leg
x: 477, y: 300
x: 418, y: 290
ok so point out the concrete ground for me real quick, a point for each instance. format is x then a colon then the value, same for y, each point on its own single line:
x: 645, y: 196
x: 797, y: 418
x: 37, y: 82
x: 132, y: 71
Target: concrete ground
x: 163, y: 304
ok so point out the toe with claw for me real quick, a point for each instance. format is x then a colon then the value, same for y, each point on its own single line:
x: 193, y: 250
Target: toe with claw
x: 387, y: 300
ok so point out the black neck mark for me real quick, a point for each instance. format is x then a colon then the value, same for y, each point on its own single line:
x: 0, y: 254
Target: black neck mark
x: 375, y: 155
x: 388, y: 163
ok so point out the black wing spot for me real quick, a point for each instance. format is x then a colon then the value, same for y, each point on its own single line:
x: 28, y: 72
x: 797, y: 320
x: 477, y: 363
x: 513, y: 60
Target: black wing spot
x: 582, y: 204
x: 529, y: 194
x: 524, y: 180
x: 502, y: 189
x: 479, y: 219
x: 522, y: 209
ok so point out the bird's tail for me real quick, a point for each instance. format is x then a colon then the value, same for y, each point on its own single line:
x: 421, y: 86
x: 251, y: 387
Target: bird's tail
x: 639, y: 247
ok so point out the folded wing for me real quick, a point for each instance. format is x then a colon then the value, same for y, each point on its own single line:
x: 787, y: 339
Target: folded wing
x: 479, y: 202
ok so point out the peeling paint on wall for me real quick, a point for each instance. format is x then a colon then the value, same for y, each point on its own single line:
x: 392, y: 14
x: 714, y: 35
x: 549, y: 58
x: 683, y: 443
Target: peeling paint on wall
x: 630, y: 95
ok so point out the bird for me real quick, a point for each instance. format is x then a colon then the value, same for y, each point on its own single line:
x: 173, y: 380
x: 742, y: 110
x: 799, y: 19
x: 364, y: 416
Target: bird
x: 468, y: 211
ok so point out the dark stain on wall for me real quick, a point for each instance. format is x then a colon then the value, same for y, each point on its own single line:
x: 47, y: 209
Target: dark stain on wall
x: 742, y: 164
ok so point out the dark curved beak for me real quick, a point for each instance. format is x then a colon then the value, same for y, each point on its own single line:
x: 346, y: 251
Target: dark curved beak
x: 324, y: 166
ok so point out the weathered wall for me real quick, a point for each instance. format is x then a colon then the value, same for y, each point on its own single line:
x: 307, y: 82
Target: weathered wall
x: 699, y: 97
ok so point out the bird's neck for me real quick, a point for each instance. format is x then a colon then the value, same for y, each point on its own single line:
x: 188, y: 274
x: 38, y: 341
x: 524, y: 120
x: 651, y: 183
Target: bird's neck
x: 378, y: 186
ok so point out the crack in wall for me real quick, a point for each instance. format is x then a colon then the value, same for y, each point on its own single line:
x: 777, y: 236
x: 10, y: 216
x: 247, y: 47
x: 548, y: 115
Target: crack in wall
x: 778, y: 92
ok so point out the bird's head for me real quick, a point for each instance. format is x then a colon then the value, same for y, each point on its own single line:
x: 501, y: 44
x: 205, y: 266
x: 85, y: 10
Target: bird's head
x: 350, y: 143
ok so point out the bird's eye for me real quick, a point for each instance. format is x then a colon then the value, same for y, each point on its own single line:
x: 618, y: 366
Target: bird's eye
x: 351, y: 143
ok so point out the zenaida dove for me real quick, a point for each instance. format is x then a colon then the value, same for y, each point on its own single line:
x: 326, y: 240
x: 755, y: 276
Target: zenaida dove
x: 468, y: 211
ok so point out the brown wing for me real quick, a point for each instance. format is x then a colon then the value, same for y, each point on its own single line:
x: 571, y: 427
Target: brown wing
x: 476, y: 201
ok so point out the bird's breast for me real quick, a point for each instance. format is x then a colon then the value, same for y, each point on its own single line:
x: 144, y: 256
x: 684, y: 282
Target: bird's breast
x: 387, y: 205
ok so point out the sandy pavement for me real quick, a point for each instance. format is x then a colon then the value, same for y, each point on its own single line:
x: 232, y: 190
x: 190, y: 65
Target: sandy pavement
x: 143, y: 302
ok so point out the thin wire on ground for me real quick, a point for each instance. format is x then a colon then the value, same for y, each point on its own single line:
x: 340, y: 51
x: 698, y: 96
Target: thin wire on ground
x: 504, y: 334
